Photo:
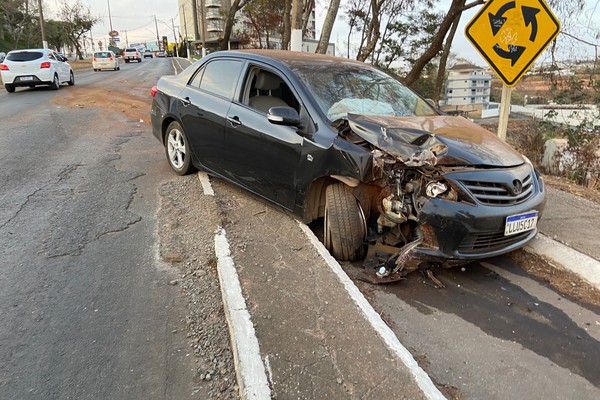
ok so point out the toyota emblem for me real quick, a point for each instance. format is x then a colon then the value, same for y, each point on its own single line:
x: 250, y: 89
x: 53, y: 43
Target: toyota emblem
x: 517, y: 186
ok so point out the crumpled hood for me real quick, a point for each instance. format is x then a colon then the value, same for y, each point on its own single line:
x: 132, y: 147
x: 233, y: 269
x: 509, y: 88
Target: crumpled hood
x: 452, y: 140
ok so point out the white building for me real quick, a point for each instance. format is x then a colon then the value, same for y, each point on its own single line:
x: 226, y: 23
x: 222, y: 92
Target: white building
x: 468, y: 85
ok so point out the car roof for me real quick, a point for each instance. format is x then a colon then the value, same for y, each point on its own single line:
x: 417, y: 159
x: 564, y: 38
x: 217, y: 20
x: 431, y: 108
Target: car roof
x: 290, y: 57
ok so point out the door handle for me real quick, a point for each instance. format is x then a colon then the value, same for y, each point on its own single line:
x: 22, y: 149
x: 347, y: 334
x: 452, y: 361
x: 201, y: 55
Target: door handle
x: 185, y: 101
x: 234, y: 121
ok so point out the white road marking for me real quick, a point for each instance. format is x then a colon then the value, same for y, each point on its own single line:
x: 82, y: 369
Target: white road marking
x: 206, y: 186
x: 430, y: 391
x: 141, y: 73
x: 250, y: 370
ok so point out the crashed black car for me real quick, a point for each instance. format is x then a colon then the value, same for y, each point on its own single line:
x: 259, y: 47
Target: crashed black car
x: 331, y: 138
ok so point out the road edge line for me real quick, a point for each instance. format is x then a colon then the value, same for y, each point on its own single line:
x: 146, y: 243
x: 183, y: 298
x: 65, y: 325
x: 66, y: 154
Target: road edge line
x: 249, y: 367
x: 423, y: 380
x: 588, y: 268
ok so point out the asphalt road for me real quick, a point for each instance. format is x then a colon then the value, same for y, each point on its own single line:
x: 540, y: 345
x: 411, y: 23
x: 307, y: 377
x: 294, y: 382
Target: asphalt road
x: 87, y: 312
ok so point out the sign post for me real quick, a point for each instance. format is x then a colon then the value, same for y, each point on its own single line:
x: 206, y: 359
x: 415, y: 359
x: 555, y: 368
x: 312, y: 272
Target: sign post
x: 510, y: 35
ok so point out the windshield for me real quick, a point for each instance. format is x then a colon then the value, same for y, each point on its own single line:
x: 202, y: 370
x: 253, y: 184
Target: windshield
x: 344, y: 88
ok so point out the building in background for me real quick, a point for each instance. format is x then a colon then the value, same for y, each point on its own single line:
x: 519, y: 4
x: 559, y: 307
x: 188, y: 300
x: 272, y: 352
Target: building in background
x: 204, y: 20
x: 468, y: 88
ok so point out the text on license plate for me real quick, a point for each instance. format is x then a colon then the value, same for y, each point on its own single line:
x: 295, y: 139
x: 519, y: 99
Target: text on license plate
x: 520, y: 223
x: 26, y: 78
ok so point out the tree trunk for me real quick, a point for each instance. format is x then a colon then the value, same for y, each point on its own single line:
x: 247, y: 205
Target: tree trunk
x: 373, y: 31
x: 287, y: 25
x: 236, y: 5
x: 456, y: 9
x: 439, y: 81
x: 328, y: 26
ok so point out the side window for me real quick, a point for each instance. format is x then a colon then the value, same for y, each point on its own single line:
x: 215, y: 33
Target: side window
x: 265, y: 89
x: 220, y: 77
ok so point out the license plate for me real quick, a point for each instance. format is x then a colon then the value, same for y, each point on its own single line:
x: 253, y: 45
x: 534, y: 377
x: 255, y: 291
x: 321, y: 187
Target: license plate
x: 26, y: 78
x: 520, y: 223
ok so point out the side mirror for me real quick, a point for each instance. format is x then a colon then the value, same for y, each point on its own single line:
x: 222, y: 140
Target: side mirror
x: 283, y: 116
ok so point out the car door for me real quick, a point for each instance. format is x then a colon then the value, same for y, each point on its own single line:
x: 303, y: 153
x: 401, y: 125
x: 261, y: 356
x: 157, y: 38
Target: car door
x: 203, y: 107
x: 261, y: 156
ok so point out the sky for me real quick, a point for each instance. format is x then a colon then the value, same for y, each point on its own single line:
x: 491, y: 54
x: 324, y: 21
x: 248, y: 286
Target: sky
x: 135, y: 19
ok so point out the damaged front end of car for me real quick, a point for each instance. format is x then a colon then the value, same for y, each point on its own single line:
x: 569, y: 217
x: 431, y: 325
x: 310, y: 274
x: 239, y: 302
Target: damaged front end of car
x: 439, y: 192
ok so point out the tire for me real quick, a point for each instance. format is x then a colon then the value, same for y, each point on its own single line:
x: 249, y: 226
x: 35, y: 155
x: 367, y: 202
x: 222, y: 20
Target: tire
x: 178, y: 150
x: 55, y: 85
x: 126, y: 61
x: 9, y: 88
x: 71, y: 79
x: 345, y: 227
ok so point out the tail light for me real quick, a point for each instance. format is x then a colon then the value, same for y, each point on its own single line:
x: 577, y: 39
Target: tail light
x: 123, y: 54
x: 153, y: 90
x: 111, y: 58
x: 3, y: 67
x: 137, y: 54
x: 95, y: 59
x: 45, y: 64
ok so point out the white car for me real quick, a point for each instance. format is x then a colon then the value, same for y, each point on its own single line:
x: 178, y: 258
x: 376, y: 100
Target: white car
x: 33, y: 67
x: 105, y: 60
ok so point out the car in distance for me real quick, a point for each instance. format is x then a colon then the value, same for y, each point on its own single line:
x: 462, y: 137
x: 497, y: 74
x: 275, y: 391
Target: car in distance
x: 340, y: 141
x: 132, y: 54
x: 35, y: 67
x: 160, y: 54
x: 105, y: 60
x: 148, y: 54
x: 169, y: 53
x: 2, y: 56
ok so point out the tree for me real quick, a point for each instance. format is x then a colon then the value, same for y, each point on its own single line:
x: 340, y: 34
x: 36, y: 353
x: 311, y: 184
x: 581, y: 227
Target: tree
x: 77, y: 21
x: 265, y: 21
x: 19, y: 25
x: 236, y: 5
x: 328, y: 26
x: 56, y: 34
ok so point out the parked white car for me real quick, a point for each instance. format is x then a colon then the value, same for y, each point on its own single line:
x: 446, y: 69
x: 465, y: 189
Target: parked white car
x: 105, y: 60
x: 33, y: 67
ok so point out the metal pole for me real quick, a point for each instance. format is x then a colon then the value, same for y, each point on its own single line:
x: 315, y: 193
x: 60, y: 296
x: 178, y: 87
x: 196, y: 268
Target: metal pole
x: 504, y: 112
x: 109, y: 16
x: 203, y: 28
x: 44, y: 42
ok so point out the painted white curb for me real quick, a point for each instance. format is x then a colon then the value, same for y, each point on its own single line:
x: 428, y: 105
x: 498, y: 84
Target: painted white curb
x: 430, y: 391
x: 205, y: 182
x: 249, y: 368
x: 570, y: 259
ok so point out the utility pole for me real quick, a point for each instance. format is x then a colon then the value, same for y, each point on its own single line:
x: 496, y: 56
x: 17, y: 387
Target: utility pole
x: 175, y: 39
x: 296, y: 38
x: 109, y: 16
x: 126, y: 39
x: 44, y: 42
x: 157, y: 37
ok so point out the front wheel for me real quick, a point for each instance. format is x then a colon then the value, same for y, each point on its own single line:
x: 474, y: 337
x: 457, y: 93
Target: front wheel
x: 178, y: 150
x: 345, y: 225
x: 71, y: 79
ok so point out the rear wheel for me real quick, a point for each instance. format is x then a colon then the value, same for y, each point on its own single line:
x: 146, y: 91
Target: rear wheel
x: 178, y: 150
x: 71, y: 79
x: 55, y: 83
x: 9, y: 88
x: 345, y: 225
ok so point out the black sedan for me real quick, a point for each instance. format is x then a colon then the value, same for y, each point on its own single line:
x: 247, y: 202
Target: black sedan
x: 331, y: 138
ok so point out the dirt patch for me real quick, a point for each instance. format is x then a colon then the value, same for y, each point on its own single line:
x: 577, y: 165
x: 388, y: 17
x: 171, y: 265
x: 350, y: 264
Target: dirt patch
x: 107, y: 101
x: 564, y: 281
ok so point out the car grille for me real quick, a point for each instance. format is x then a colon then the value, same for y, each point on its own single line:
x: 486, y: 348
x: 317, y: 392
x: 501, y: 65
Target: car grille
x: 500, y: 194
x: 489, y: 241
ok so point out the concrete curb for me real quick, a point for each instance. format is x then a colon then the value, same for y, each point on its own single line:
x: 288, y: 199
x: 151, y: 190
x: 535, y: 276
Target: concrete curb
x: 563, y: 256
x: 249, y: 367
x: 423, y: 381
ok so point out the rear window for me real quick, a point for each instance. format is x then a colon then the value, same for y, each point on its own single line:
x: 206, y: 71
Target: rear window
x: 130, y: 49
x: 25, y: 56
x: 102, y: 54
